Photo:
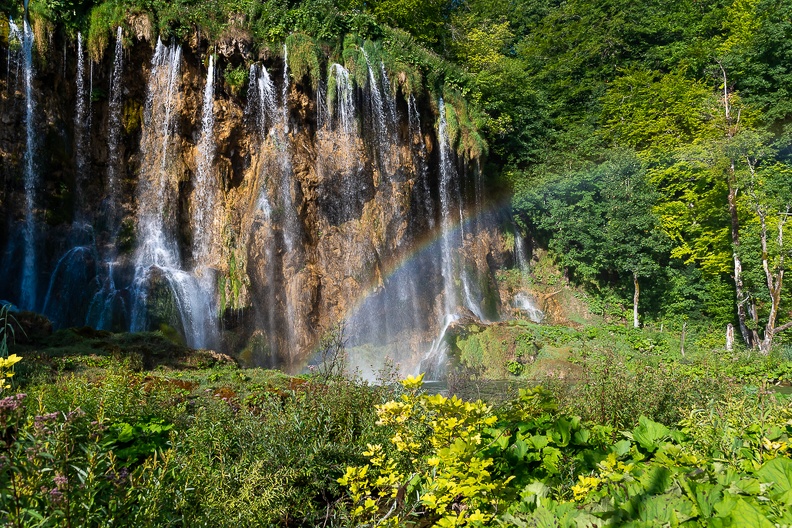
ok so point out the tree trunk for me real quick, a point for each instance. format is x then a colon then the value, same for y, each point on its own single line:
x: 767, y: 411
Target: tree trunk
x: 774, y: 277
x: 682, y: 340
x: 742, y: 298
x: 636, y: 324
x: 774, y: 282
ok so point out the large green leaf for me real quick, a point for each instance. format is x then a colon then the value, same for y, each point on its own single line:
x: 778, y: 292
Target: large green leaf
x: 737, y: 512
x: 649, y: 433
x: 779, y: 472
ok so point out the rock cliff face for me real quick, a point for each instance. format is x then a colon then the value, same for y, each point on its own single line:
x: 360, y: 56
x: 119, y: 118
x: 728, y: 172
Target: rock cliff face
x: 153, y: 187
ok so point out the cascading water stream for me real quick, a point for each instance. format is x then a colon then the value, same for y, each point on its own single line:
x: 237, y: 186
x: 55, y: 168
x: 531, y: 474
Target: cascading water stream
x: 290, y: 221
x: 378, y: 108
x: 451, y: 241
x: 205, y: 193
x: 107, y: 310
x: 262, y: 105
x: 275, y: 180
x: 342, y: 106
x: 389, y: 100
x: 80, y: 130
x: 158, y: 270
x: 422, y: 185
x: 29, y: 284
x: 114, y: 133
x: 446, y: 222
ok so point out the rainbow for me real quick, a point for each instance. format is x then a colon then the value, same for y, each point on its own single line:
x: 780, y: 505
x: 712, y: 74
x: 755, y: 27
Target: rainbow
x: 419, y: 248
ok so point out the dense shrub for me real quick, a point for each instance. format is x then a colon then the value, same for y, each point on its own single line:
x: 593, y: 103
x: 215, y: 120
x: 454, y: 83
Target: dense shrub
x: 219, y: 447
x: 460, y: 464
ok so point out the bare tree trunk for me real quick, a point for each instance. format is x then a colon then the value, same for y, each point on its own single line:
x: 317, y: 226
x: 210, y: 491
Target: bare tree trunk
x: 729, y: 337
x: 742, y: 298
x: 682, y: 340
x: 636, y: 324
x: 775, y: 280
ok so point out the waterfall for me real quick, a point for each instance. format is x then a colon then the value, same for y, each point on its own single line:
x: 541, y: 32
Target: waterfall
x: 520, y: 255
x: 262, y: 105
x: 80, y: 130
x: 422, y: 185
x: 290, y: 220
x: 204, y: 197
x: 285, y: 90
x: 114, y: 133
x: 527, y: 305
x: 69, y: 295
x: 446, y: 222
x: 156, y: 192
x: 377, y: 108
x: 14, y: 39
x: 162, y: 291
x: 272, y: 122
x: 261, y: 99
x: 451, y: 242
x: 450, y: 189
x: 342, y: 106
x: 107, y: 310
x: 389, y: 99
x: 29, y: 284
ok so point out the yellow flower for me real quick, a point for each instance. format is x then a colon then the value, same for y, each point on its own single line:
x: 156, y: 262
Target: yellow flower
x: 584, y: 485
x: 413, y: 382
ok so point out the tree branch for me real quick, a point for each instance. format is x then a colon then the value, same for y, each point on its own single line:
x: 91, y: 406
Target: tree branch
x: 785, y: 326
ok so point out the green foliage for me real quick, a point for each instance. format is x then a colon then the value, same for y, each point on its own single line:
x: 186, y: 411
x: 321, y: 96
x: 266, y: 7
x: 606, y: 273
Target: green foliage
x: 460, y: 464
x: 303, y: 58
x: 237, y: 78
x: 599, y: 223
x: 105, y: 18
x: 133, y: 443
x: 212, y: 447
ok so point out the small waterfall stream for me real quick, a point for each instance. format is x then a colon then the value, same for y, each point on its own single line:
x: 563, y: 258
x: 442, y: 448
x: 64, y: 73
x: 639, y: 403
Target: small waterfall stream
x: 446, y: 218
x: 108, y: 308
x: 377, y: 106
x: 205, y: 185
x: 29, y: 285
x: 80, y: 133
x: 114, y: 164
x: 342, y: 105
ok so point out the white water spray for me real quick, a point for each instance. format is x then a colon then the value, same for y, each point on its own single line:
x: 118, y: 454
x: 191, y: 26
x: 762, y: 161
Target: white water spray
x: 342, y: 106
x: 114, y: 132
x: 29, y: 284
x: 205, y: 194
x: 80, y: 130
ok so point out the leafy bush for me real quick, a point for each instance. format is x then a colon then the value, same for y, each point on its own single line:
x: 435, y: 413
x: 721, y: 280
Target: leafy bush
x: 237, y: 78
x: 213, y: 447
x: 459, y: 464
